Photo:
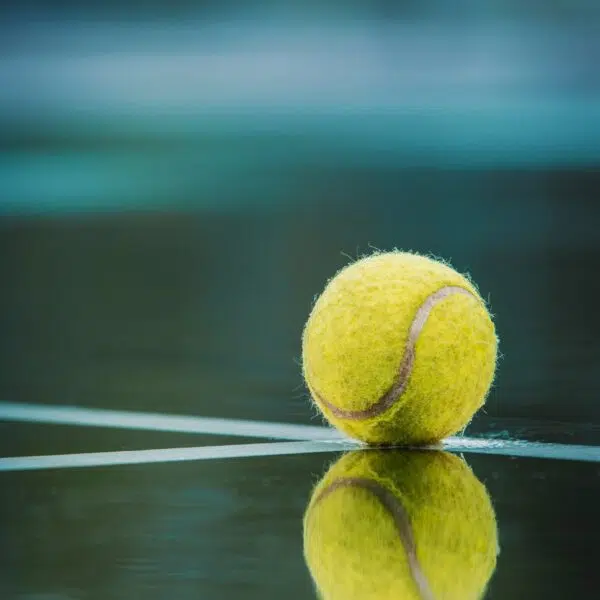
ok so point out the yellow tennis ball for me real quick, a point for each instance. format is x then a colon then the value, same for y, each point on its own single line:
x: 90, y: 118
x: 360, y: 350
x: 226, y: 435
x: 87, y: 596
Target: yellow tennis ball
x: 400, y: 525
x: 399, y: 348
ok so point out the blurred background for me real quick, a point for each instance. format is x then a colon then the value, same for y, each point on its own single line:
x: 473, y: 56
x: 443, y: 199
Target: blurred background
x: 178, y: 181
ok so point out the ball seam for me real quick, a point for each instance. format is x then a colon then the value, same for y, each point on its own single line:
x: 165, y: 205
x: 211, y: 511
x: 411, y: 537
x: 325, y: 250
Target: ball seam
x: 400, y: 383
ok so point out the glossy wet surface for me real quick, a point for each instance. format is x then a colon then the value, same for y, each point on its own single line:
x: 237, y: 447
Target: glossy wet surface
x: 222, y: 527
x: 200, y: 342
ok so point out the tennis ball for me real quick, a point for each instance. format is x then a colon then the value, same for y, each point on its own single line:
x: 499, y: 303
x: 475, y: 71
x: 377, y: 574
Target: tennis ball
x: 399, y: 348
x: 400, y: 525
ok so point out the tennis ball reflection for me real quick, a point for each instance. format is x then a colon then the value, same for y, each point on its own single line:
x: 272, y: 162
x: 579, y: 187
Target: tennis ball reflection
x: 400, y: 525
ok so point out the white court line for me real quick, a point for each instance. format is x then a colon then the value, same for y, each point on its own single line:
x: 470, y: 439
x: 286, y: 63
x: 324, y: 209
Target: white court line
x: 136, y: 457
x: 131, y: 457
x: 523, y: 449
x: 95, y: 417
x: 308, y: 439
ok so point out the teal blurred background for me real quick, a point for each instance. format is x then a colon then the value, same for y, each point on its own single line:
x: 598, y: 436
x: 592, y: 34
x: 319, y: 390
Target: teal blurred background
x: 177, y: 184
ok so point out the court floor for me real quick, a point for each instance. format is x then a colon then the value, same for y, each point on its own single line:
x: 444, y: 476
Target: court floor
x: 122, y: 504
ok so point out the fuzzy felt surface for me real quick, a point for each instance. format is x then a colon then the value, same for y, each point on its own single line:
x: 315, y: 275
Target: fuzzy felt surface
x: 410, y: 525
x: 399, y: 348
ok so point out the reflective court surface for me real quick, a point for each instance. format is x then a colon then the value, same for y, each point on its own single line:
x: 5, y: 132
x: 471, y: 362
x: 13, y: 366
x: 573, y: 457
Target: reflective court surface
x: 157, y: 438
x: 266, y: 520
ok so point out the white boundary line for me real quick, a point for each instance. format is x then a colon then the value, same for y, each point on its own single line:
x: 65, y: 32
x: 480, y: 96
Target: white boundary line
x: 523, y: 449
x: 136, y: 457
x: 307, y: 439
x: 95, y: 417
